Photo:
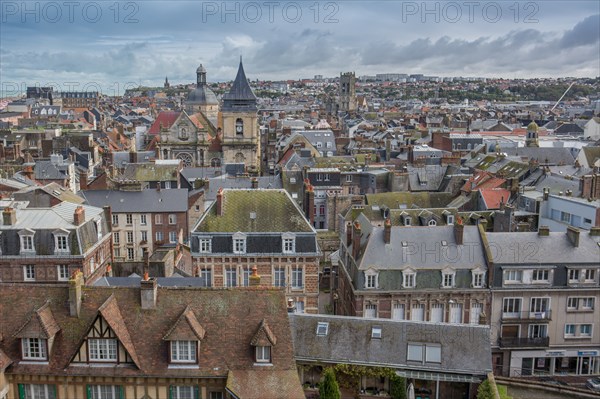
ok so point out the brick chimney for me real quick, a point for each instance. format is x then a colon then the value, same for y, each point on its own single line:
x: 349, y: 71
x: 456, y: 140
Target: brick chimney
x: 595, y: 231
x: 220, y: 202
x: 573, y: 235
x: 254, y: 182
x: 9, y: 216
x: 79, y: 216
x: 148, y: 292
x: 83, y: 183
x: 108, y: 216
x: 355, y: 239
x: 544, y: 231
x: 387, y: 231
x: 254, y: 280
x: 75, y: 287
x: 459, y: 231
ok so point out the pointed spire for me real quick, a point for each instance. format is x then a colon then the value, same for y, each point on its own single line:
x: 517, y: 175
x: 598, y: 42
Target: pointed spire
x: 241, y: 96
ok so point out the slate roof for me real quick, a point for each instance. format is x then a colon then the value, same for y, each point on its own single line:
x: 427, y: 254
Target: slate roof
x: 223, y: 181
x: 416, y: 250
x: 60, y: 216
x: 531, y: 248
x: 229, y: 317
x: 150, y: 201
x: 544, y: 155
x: 274, y: 211
x: 465, y: 349
x: 395, y: 200
x: 241, y: 96
x: 426, y: 178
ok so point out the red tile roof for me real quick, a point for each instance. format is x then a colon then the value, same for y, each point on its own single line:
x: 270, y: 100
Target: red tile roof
x: 493, y: 197
x: 186, y: 328
x: 41, y: 324
x: 164, y: 119
x: 256, y: 384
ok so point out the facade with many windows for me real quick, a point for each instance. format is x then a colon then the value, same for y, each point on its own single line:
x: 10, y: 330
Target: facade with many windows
x: 90, y: 348
x: 545, y: 293
x: 436, y: 274
x: 262, y: 228
x: 49, y: 244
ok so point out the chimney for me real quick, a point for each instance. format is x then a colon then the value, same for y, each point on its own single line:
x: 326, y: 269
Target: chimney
x: 83, y: 183
x: 573, y: 235
x: 387, y: 231
x: 595, y: 231
x: 79, y: 216
x: 544, y: 231
x: 75, y: 287
x: 459, y: 230
x: 148, y: 292
x: 254, y: 183
x: 348, y: 234
x: 483, y: 320
x: 28, y: 172
x: 254, y: 280
x: 108, y: 216
x: 355, y: 240
x: 546, y: 193
x: 220, y: 202
x: 310, y: 204
x: 290, y: 306
x: 9, y: 216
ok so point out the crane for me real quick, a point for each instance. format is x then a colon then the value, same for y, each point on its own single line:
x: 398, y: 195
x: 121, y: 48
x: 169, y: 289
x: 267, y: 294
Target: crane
x: 561, y: 97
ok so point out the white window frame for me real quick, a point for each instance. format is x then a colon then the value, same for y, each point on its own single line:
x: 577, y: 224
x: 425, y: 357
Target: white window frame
x: 116, y: 238
x: 34, y: 348
x: 182, y: 392
x: 409, y: 279
x: 103, y: 350
x: 573, y: 275
x: 62, y: 272
x: 115, y: 219
x: 513, y: 276
x: 589, y: 334
x: 542, y: 329
x: 35, y: 391
x: 514, y: 306
x: 297, y: 277
x: 172, y: 237
x: 205, y: 273
x: 158, y: 218
x: 279, y: 276
x: 128, y: 218
x: 371, y: 279
x: 288, y: 244
x: 204, y: 245
x: 99, y: 391
x: 231, y: 275
x: 586, y: 275
x: 239, y: 243
x: 478, y: 279
x: 27, y: 241
x: 159, y: 236
x: 61, y: 242
x: 448, y: 279
x: 570, y: 330
x: 263, y: 354
x: 172, y: 218
x: 184, y: 351
x: 322, y: 328
x: 144, y: 235
x: 543, y: 278
x: 143, y: 220
x: 130, y: 254
x: 129, y: 237
x: 29, y: 273
x: 370, y: 311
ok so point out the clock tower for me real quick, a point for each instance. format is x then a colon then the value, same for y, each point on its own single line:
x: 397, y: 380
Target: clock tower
x: 241, y: 141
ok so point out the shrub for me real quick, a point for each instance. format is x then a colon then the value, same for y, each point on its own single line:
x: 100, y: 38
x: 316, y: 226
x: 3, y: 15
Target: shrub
x: 329, y: 389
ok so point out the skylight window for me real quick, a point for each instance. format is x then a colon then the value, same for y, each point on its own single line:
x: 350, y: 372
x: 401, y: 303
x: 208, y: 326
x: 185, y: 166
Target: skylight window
x: 376, y: 332
x: 322, y: 329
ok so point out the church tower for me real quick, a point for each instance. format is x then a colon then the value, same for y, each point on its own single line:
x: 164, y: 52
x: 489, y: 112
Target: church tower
x: 202, y: 98
x: 241, y: 140
x: 347, y: 92
x: 531, y: 139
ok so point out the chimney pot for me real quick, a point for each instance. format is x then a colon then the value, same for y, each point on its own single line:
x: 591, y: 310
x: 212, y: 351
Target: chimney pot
x: 544, y: 231
x: 254, y: 277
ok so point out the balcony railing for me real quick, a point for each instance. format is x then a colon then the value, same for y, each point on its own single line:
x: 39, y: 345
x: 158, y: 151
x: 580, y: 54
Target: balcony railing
x: 527, y: 315
x: 513, y: 342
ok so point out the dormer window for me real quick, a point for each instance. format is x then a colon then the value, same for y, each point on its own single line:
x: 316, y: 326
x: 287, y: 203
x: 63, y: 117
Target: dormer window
x: 371, y: 280
x: 477, y: 278
x: 61, y: 241
x: 407, y: 220
x: 239, y: 243
x: 376, y: 332
x: 34, y: 348
x: 263, y: 354
x: 26, y: 237
x: 288, y: 243
x: 184, y: 351
x: 408, y: 279
x: 102, y: 349
x: 450, y: 219
x: 322, y: 329
x: 432, y: 223
x: 448, y: 276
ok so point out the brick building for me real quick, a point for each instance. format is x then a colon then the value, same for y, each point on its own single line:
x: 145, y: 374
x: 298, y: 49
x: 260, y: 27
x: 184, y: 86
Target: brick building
x: 263, y: 228
x: 48, y: 244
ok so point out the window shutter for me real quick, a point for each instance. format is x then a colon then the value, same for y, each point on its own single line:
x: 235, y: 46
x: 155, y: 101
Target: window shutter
x: 89, y: 391
x: 196, y: 392
x: 53, y: 389
x: 21, y: 391
x: 171, y: 392
x: 121, y: 392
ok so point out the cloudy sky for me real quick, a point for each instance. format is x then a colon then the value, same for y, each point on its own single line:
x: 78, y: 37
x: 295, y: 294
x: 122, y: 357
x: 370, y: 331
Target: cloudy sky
x: 111, y: 45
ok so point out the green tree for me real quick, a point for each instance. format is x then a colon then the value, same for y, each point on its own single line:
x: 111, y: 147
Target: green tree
x: 329, y: 388
x: 485, y: 390
x: 397, y: 387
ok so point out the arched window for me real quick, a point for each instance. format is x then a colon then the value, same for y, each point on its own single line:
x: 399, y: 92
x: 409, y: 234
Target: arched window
x: 432, y: 222
x: 239, y: 126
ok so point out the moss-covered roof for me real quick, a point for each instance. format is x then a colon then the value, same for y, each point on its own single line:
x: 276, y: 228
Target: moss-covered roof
x: 255, y: 210
x: 395, y: 200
